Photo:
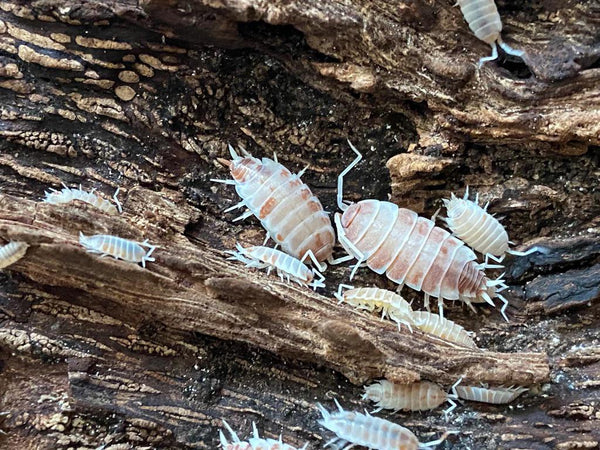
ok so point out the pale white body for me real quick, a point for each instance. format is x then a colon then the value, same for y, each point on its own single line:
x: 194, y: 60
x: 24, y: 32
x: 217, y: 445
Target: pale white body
x: 11, y: 253
x: 419, y: 396
x: 117, y: 247
x: 484, y: 21
x: 374, y: 299
x: 287, y: 266
x: 443, y: 328
x: 478, y: 228
x: 293, y: 217
x: 368, y: 431
x: 497, y: 396
x: 254, y: 443
x: 67, y: 194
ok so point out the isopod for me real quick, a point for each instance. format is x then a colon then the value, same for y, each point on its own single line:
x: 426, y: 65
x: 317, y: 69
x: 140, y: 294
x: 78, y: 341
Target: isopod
x: 418, y: 396
x: 374, y: 299
x: 254, y: 443
x: 443, y: 328
x: 478, y: 228
x: 372, y: 432
x: 67, y: 194
x: 285, y: 206
x: 497, y: 395
x: 12, y: 252
x: 117, y: 247
x: 412, y: 251
x: 293, y: 269
x: 484, y: 20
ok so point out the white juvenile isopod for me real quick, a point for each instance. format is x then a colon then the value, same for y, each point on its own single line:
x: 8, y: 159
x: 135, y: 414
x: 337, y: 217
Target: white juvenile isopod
x: 374, y: 299
x: 418, y: 396
x: 443, y: 328
x: 478, y: 228
x: 11, y: 253
x: 67, y: 194
x: 293, y: 269
x: 254, y: 443
x: 484, y: 20
x: 285, y: 206
x: 497, y: 395
x: 117, y: 247
x: 371, y: 432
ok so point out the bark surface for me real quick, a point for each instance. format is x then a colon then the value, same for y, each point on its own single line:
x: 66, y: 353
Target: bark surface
x: 146, y: 95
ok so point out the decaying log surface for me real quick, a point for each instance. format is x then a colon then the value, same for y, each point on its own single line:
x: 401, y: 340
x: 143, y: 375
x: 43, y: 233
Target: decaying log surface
x: 97, y: 352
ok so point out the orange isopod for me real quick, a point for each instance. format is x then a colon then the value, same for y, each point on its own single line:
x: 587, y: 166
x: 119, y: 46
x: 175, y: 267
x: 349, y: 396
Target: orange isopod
x: 285, y: 206
x: 412, y: 251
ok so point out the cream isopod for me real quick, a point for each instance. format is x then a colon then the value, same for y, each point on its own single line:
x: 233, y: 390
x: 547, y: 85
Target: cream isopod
x: 254, y: 443
x: 371, y: 432
x: 484, y: 21
x: 12, y: 252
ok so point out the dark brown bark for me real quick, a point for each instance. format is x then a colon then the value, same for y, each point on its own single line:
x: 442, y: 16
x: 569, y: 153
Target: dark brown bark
x: 96, y: 352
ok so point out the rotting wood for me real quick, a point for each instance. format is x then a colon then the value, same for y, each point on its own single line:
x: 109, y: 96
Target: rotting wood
x: 77, y: 373
x: 220, y: 300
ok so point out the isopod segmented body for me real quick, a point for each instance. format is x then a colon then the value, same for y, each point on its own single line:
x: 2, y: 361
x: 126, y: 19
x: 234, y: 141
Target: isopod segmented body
x: 372, y: 432
x: 117, y: 247
x: 484, y: 21
x: 67, y: 194
x: 374, y: 299
x: 285, y: 206
x: 497, y: 395
x: 412, y: 251
x: 254, y: 443
x: 12, y: 252
x: 478, y: 228
x: 287, y: 266
x: 443, y: 328
x: 419, y: 396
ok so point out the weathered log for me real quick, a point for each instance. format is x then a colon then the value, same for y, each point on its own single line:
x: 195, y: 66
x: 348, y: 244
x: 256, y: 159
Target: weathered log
x: 98, y: 352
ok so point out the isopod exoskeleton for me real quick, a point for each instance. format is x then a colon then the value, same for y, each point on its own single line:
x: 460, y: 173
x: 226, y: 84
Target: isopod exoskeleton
x: 412, y: 251
x: 12, y: 252
x: 443, y: 328
x: 287, y: 266
x: 478, y: 228
x: 254, y: 443
x: 484, y: 21
x: 374, y: 299
x: 117, y: 247
x: 419, y: 396
x: 285, y: 206
x: 497, y: 395
x: 371, y: 432
x: 67, y: 194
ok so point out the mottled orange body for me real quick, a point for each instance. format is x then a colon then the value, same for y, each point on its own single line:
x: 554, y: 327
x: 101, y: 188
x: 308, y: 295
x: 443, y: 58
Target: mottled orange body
x: 497, y: 396
x: 285, y: 206
x: 420, y: 396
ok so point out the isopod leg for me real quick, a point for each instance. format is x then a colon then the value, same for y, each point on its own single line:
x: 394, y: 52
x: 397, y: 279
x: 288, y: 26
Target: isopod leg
x: 339, y: 294
x: 116, y: 200
x: 216, y: 180
x: 236, y: 206
x: 437, y: 441
x: 309, y: 254
x: 493, y: 56
x: 435, y: 214
x: 340, y: 183
x: 243, y: 216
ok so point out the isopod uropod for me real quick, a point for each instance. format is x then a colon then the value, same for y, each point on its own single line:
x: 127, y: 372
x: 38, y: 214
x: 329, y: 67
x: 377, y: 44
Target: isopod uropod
x: 374, y: 299
x: 12, y: 252
x: 419, y: 396
x: 496, y: 395
x: 287, y: 266
x: 478, y: 228
x: 484, y: 20
x: 254, y: 443
x: 67, y: 194
x: 372, y: 432
x: 285, y: 206
x: 443, y: 328
x: 117, y: 247
x: 411, y: 250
